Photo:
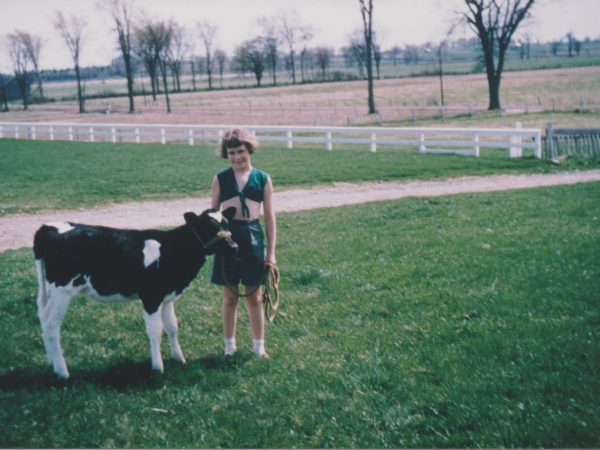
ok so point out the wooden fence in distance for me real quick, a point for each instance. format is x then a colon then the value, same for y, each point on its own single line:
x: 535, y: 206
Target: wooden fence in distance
x: 565, y: 142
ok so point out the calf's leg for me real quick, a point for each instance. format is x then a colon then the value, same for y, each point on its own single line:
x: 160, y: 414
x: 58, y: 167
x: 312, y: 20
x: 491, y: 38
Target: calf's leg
x: 154, y: 328
x: 51, y: 317
x: 171, y: 328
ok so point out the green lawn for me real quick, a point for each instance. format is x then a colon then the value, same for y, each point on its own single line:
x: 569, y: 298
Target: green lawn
x: 463, y: 321
x: 37, y: 175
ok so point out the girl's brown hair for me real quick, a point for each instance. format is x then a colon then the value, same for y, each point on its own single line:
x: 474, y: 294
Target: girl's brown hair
x: 236, y: 137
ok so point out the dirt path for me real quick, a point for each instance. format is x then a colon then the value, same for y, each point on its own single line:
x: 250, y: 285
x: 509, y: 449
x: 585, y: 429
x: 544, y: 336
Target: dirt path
x: 17, y: 231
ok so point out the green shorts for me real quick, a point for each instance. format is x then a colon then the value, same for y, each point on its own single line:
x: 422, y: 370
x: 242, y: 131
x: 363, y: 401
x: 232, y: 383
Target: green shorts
x: 248, y: 265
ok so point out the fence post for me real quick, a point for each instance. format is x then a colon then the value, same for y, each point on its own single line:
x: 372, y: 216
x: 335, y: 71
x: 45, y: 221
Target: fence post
x: 51, y: 131
x: 538, y: 144
x: 373, y: 143
x: 422, y: 143
x: 290, y: 141
x: 549, y: 141
x: 137, y: 136
x: 476, y: 145
x: 516, y: 151
x: 71, y: 134
x: 32, y: 133
x: 163, y: 139
x: 1, y: 132
x: 113, y: 134
x: 91, y: 134
x: 191, y: 136
x: 329, y: 144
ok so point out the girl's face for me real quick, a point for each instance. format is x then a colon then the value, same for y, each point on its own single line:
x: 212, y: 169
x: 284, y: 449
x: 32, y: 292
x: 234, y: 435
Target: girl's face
x: 239, y: 157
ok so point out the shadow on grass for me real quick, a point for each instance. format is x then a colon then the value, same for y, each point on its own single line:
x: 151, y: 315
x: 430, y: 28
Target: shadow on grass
x: 124, y: 375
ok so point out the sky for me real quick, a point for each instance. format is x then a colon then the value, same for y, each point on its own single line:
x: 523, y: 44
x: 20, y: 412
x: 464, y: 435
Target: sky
x: 398, y: 22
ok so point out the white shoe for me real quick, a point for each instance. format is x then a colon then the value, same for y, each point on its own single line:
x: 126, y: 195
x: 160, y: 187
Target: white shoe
x: 263, y: 355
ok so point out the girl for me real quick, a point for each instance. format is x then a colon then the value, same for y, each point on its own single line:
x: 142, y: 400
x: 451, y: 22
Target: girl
x: 246, y: 188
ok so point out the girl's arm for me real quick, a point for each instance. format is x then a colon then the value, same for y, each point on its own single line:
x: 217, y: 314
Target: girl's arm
x: 215, y: 193
x: 270, y: 224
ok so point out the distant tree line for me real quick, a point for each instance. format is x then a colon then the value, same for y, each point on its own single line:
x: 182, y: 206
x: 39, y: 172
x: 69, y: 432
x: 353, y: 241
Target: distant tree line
x: 163, y: 51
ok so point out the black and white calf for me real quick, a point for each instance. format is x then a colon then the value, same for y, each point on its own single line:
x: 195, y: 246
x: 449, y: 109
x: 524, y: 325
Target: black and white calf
x: 109, y: 264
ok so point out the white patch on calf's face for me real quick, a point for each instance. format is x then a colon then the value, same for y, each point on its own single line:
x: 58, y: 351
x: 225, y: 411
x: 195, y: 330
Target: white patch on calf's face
x: 217, y: 216
x: 151, y: 252
x: 62, y: 227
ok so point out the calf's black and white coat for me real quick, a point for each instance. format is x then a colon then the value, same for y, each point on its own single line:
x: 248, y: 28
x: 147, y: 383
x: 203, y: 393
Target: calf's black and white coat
x: 109, y: 264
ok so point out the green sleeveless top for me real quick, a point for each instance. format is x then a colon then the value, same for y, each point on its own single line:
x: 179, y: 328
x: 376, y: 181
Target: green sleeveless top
x: 254, y: 189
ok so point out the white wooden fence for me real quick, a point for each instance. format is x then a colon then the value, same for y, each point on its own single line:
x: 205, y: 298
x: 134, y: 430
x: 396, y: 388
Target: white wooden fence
x: 463, y: 141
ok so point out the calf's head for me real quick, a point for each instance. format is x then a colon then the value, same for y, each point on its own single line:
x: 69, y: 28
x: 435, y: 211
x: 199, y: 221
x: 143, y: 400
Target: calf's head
x: 211, y: 229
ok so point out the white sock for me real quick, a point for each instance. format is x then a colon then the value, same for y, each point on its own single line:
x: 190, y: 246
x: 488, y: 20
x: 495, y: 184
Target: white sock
x: 259, y: 346
x: 230, y: 347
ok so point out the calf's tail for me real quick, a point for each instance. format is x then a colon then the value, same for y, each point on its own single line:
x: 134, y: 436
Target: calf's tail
x: 40, y: 243
x: 42, y: 298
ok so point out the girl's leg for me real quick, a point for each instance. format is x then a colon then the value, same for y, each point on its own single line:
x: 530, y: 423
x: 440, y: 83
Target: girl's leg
x: 257, y: 320
x: 229, y: 315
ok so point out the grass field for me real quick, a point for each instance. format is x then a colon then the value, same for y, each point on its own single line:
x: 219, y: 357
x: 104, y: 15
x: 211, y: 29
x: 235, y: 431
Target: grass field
x: 36, y: 175
x: 463, y: 321
x: 558, y: 90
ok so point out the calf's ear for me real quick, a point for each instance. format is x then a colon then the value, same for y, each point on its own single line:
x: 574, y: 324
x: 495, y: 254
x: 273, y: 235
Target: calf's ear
x: 190, y: 218
x: 229, y: 212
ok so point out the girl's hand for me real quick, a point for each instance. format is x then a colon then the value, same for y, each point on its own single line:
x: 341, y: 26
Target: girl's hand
x: 270, y: 260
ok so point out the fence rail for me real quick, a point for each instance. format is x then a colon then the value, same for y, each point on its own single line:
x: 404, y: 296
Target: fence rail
x: 463, y: 141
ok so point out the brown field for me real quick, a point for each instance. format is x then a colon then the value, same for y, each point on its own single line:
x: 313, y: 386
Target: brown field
x: 568, y: 97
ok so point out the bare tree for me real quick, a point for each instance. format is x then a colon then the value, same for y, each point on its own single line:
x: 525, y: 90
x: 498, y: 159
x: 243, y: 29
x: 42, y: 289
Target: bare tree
x: 4, y: 93
x: 121, y: 13
x: 292, y: 33
x: 323, y: 56
x: 411, y: 54
x: 356, y: 53
x: 154, y: 41
x: 208, y: 33
x: 289, y: 32
x: 494, y: 22
x: 178, y: 50
x: 394, y: 54
x: 145, y: 49
x: 366, y: 11
x: 250, y: 57
x: 306, y: 35
x: 72, y: 32
x: 32, y: 46
x: 554, y: 47
x: 571, y: 44
x: 221, y: 58
x: 192, y: 61
x: 20, y: 62
x: 164, y: 38
x: 270, y: 42
x: 377, y: 55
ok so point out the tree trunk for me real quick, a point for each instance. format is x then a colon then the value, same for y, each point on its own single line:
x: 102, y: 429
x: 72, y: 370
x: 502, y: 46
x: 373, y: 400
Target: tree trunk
x: 23, y: 84
x: 165, y: 77
x: 79, y: 90
x: 129, y: 74
x: 293, y: 64
x: 494, y: 88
